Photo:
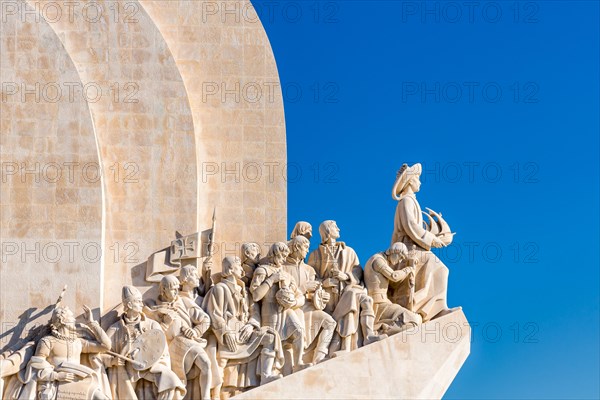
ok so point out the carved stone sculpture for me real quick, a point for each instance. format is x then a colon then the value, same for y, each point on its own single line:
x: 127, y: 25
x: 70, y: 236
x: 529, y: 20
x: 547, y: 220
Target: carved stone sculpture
x: 319, y: 326
x: 302, y: 228
x: 56, y: 365
x: 338, y: 267
x: 380, y: 270
x: 431, y: 276
x: 247, y: 352
x: 271, y: 286
x: 250, y: 258
x: 184, y: 323
x: 12, y: 362
x: 267, y: 317
x: 126, y: 380
x: 190, y: 283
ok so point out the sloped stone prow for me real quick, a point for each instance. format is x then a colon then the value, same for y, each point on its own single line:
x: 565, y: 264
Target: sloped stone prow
x: 419, y: 363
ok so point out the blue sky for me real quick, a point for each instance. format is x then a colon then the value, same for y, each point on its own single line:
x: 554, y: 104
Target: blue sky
x: 499, y: 102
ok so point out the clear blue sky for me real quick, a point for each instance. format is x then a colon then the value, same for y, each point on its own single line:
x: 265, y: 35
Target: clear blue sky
x: 499, y: 102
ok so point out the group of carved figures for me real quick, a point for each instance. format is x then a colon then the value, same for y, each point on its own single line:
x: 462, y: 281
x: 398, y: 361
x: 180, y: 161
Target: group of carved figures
x: 266, y: 317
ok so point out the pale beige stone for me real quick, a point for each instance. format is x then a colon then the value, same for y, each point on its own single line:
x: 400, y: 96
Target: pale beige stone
x: 189, y: 118
x: 428, y: 297
x: 40, y: 214
x: 419, y: 364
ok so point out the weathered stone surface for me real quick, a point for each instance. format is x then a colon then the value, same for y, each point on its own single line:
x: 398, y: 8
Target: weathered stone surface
x: 140, y: 143
x: 51, y: 192
x: 417, y: 364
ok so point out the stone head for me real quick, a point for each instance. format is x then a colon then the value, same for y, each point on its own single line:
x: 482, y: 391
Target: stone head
x: 132, y: 299
x: 62, y: 316
x: 278, y: 252
x: 169, y: 288
x: 250, y: 252
x: 396, y: 253
x: 302, y: 228
x: 189, y: 276
x: 329, y: 229
x: 299, y: 246
x: 232, y: 266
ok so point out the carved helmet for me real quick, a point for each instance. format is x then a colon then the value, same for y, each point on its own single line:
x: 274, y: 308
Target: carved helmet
x: 129, y: 293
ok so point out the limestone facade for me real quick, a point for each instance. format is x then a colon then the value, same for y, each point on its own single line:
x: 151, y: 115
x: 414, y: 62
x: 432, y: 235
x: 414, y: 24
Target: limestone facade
x: 147, y: 130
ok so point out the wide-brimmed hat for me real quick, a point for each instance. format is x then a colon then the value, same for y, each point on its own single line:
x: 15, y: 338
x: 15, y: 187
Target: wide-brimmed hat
x: 403, y: 177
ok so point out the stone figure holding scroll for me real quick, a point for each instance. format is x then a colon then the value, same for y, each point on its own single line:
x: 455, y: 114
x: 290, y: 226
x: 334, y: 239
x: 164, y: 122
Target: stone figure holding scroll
x: 247, y: 352
x: 127, y: 380
x: 271, y: 285
x: 380, y: 270
x: 337, y: 266
x: 431, y: 276
x: 184, y: 323
x: 318, y: 325
x: 56, y: 364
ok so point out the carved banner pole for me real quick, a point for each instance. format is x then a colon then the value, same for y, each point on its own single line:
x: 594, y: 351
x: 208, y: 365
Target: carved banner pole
x: 207, y: 271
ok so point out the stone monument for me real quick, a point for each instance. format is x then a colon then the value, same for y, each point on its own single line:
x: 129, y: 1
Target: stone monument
x: 141, y: 179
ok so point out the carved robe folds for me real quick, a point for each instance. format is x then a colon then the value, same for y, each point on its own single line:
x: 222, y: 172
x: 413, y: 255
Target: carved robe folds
x: 346, y: 296
x: 231, y: 309
x: 284, y: 320
x: 393, y: 315
x: 431, y: 278
x: 54, y: 355
x: 124, y: 379
x: 316, y: 321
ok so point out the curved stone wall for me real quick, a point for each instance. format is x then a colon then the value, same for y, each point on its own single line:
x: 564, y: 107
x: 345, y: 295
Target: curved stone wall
x: 178, y: 106
x: 51, y: 194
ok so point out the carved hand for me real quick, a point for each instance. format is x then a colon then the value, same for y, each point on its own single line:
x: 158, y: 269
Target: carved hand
x: 89, y: 317
x: 118, y: 362
x: 246, y: 332
x: 275, y: 277
x: 312, y: 286
x: 189, y: 333
x: 65, y: 376
x: 207, y: 264
x: 168, y: 317
x: 229, y: 340
x: 337, y: 274
x: 437, y: 243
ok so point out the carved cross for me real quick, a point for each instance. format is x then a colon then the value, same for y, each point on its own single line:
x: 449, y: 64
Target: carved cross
x: 183, y: 247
